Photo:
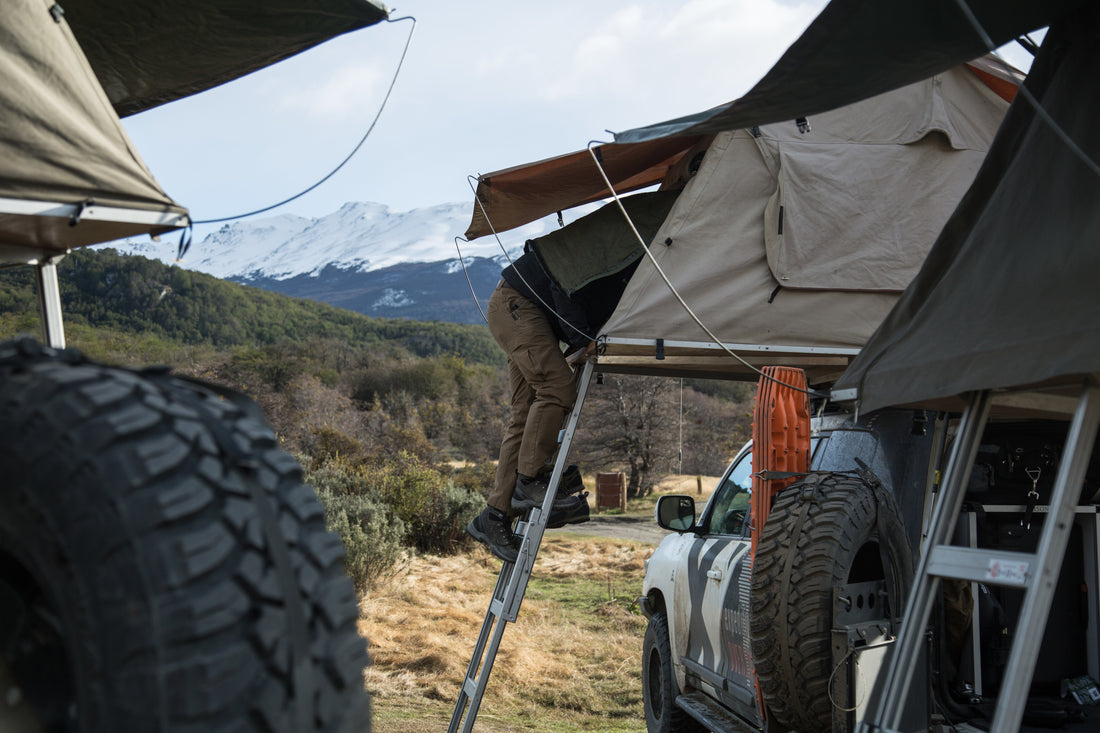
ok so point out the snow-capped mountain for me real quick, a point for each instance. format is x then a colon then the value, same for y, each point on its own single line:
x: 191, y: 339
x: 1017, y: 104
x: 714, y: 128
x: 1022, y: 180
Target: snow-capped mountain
x: 365, y: 257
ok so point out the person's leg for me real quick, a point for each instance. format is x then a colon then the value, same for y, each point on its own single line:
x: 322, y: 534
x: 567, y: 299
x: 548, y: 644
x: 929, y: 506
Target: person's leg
x: 500, y: 495
x: 493, y: 526
x: 551, y: 379
x: 522, y: 330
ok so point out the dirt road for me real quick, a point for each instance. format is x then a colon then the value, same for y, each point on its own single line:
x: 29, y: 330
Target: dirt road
x: 636, y: 529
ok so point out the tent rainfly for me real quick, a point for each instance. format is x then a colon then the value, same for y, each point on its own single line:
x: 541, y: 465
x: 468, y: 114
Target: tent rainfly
x: 790, y: 246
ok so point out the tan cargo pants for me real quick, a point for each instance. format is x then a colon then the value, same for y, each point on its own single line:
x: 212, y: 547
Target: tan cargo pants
x: 542, y: 389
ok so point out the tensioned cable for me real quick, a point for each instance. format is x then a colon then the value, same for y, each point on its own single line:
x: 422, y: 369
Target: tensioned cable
x: 1022, y: 89
x: 354, y: 150
x: 468, y: 281
x: 675, y: 292
x: 550, y: 308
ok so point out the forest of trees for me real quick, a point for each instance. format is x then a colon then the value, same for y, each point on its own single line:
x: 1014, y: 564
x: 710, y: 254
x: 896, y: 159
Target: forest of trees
x: 396, y: 423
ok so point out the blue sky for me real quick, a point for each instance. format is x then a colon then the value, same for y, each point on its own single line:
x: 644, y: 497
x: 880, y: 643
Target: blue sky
x: 485, y: 85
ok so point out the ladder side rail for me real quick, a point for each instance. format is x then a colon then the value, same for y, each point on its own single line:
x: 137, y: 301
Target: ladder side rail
x: 1052, y: 546
x: 476, y: 658
x: 887, y: 708
x: 532, y: 538
x: 483, y: 678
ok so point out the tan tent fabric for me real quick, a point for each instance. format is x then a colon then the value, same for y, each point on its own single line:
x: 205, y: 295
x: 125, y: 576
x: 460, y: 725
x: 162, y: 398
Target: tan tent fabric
x: 62, y: 146
x: 851, y: 190
x: 871, y: 179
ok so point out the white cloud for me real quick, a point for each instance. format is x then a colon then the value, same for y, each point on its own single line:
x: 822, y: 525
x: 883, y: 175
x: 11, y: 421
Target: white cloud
x: 341, y: 93
x: 692, y: 55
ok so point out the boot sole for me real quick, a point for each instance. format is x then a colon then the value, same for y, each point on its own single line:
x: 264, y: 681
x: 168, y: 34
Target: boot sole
x: 575, y: 517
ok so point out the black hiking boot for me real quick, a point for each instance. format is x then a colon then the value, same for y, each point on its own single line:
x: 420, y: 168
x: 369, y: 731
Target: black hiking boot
x: 493, y: 528
x: 575, y: 513
x: 530, y: 492
x: 571, y: 481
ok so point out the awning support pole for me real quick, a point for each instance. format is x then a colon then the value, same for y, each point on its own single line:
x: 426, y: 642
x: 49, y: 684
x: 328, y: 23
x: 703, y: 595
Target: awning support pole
x: 49, y: 301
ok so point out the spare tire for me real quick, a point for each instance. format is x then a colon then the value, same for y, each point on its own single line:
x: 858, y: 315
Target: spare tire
x: 825, y: 530
x: 162, y: 566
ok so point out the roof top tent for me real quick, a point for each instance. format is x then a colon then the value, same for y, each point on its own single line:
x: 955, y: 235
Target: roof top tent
x: 789, y: 243
x: 71, y: 177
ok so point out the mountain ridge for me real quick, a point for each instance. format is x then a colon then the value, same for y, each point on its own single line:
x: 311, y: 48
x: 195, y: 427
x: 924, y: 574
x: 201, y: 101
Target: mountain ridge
x: 366, y: 257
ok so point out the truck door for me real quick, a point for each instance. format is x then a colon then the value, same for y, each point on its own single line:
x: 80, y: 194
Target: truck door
x: 718, y: 650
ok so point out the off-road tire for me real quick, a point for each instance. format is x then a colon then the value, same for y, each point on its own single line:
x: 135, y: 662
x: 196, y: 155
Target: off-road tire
x: 659, y: 688
x: 825, y: 530
x: 162, y: 567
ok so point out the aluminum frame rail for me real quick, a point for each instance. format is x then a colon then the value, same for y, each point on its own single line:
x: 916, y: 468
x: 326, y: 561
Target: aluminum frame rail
x: 1034, y: 573
x: 512, y: 582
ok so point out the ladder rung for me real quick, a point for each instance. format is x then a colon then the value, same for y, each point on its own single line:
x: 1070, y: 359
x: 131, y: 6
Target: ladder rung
x: 995, y: 567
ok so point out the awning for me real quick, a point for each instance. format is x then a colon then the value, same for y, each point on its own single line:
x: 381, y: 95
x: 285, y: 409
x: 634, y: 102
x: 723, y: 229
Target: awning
x: 151, y: 52
x: 515, y: 196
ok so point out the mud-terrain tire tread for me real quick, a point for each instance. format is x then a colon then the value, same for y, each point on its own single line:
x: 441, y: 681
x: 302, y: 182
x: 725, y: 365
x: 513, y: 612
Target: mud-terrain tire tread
x: 811, y: 536
x: 656, y: 647
x: 198, y: 587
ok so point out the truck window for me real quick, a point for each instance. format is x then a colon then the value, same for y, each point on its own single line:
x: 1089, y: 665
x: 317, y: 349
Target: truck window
x: 731, y: 506
x: 730, y: 510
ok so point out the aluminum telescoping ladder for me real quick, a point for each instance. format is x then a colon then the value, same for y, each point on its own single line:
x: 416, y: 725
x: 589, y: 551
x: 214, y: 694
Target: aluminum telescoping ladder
x: 512, y: 581
x: 1034, y: 573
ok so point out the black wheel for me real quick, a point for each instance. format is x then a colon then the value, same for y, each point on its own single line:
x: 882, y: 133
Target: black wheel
x: 821, y: 531
x: 162, y: 567
x: 659, y: 688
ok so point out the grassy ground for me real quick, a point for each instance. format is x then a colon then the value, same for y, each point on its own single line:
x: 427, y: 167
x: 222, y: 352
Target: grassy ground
x: 571, y: 662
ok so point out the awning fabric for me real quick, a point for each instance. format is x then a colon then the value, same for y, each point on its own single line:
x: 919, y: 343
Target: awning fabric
x: 858, y: 48
x: 62, y: 147
x: 515, y: 196
x: 151, y: 52
x: 1008, y: 295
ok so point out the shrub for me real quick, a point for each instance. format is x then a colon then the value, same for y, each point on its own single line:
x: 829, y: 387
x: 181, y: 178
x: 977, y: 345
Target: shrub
x: 373, y: 537
x: 400, y: 501
x: 442, y: 528
x: 405, y: 482
x: 477, y: 477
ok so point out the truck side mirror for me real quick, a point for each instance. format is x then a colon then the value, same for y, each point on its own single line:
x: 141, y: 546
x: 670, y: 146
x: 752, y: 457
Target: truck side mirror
x: 675, y: 512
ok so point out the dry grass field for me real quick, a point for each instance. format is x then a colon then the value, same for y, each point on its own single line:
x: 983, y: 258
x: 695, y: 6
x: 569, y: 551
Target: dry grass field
x: 571, y: 662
